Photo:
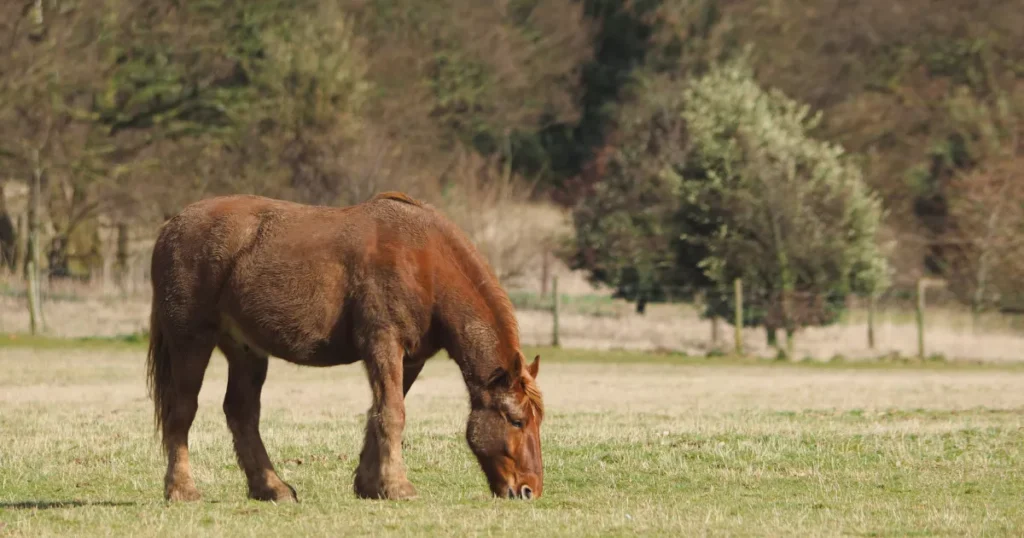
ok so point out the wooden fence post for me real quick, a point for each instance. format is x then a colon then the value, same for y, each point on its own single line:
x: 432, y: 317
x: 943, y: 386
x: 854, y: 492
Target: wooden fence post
x: 35, y: 307
x: 872, y: 300
x: 555, y: 340
x: 544, y: 272
x: 922, y: 285
x: 121, y: 259
x: 738, y: 291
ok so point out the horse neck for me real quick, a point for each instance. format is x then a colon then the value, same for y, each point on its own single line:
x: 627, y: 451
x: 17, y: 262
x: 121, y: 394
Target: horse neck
x: 478, y: 318
x: 479, y: 345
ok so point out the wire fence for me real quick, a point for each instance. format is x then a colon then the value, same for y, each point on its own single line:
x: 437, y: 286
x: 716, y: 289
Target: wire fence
x: 924, y: 322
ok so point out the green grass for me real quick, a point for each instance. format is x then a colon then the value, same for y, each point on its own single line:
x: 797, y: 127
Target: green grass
x: 586, y: 304
x: 633, y: 444
x: 138, y: 343
x: 122, y: 342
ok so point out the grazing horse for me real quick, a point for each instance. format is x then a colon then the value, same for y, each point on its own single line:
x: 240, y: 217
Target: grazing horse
x: 390, y: 282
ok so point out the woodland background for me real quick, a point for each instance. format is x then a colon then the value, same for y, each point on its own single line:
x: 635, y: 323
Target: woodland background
x: 582, y: 139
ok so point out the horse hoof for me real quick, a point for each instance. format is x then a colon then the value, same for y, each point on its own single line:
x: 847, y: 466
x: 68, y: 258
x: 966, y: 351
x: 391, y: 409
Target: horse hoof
x: 400, y: 491
x: 403, y: 490
x: 280, y: 494
x: 182, y: 494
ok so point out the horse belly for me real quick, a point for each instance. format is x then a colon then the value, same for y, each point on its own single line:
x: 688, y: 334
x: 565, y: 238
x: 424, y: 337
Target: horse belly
x: 290, y: 344
x: 295, y: 319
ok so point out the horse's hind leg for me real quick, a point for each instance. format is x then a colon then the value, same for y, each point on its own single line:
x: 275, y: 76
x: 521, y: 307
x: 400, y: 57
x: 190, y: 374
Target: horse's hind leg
x: 410, y: 372
x: 381, y: 471
x: 247, y: 370
x: 189, y: 363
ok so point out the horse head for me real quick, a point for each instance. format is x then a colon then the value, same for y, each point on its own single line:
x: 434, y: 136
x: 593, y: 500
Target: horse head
x: 503, y: 430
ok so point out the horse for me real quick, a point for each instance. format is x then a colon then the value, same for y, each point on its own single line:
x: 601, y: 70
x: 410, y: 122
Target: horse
x: 390, y: 282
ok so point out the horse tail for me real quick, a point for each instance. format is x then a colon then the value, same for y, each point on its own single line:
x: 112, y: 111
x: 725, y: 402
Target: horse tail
x: 159, y: 377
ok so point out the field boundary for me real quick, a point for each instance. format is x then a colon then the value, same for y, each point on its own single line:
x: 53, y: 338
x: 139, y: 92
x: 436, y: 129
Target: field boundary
x: 139, y: 342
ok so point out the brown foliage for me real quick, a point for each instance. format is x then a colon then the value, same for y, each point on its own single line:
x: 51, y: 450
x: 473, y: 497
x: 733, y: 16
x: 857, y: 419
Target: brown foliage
x: 159, y: 104
x: 495, y: 210
x: 989, y: 208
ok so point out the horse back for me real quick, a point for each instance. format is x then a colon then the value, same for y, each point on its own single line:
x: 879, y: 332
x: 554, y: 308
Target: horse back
x: 309, y: 284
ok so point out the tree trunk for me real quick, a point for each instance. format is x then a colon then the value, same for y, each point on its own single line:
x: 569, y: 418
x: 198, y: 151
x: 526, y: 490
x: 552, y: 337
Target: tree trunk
x: 544, y: 270
x: 21, y: 247
x: 737, y: 287
x: 38, y: 21
x: 788, y: 322
x: 8, y: 235
x: 981, y: 275
x: 556, y: 337
x: 786, y: 279
x: 57, y: 258
x: 32, y: 267
x: 872, y: 305
x: 121, y: 269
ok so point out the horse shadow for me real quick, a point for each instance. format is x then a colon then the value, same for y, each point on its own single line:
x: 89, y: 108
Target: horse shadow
x: 49, y: 505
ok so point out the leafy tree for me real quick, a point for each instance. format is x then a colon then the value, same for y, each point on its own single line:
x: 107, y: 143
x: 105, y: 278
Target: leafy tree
x: 49, y: 67
x: 715, y: 179
x: 882, y: 73
x: 881, y: 80
x: 621, y: 40
x: 793, y: 216
x: 629, y: 219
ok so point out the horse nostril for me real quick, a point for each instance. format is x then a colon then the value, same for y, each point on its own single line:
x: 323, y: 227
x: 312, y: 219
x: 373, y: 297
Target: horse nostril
x: 526, y: 492
x: 511, y: 493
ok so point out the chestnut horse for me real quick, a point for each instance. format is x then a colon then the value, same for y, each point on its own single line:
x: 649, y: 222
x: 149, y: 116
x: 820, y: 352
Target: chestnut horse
x: 390, y: 282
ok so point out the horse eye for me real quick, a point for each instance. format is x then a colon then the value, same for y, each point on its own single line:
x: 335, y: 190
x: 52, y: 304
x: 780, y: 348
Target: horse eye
x: 516, y: 423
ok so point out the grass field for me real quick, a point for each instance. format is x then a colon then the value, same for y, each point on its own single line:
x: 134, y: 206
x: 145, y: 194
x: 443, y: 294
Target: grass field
x: 633, y: 444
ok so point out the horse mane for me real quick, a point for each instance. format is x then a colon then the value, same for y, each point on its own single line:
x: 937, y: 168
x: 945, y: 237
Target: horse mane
x: 533, y: 398
x: 398, y: 197
x: 489, y: 287
x: 474, y: 266
x: 504, y: 313
x: 480, y: 273
x: 486, y: 283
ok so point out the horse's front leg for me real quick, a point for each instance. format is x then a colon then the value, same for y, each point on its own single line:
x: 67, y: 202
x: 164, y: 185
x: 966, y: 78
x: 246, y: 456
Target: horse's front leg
x: 381, y: 471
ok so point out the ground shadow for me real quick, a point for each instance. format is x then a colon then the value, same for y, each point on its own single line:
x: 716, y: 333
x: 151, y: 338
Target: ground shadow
x: 47, y: 505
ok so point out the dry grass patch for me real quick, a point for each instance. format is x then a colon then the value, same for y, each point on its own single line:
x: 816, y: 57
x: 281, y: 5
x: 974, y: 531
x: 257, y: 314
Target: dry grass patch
x: 630, y: 448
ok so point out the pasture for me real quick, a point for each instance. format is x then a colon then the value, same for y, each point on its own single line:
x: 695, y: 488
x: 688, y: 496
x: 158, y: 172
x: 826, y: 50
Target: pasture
x: 633, y: 443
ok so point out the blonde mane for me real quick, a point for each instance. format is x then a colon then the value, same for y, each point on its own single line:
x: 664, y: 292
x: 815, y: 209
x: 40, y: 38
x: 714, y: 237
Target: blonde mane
x: 532, y: 398
x: 476, y: 268
x: 486, y: 283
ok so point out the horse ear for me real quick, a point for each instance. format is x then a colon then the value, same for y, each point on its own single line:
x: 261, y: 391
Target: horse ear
x: 518, y: 363
x: 534, y: 366
x: 499, y: 378
x: 505, y: 377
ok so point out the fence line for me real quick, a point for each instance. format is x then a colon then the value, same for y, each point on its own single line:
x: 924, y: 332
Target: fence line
x: 924, y: 321
x: 747, y: 305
